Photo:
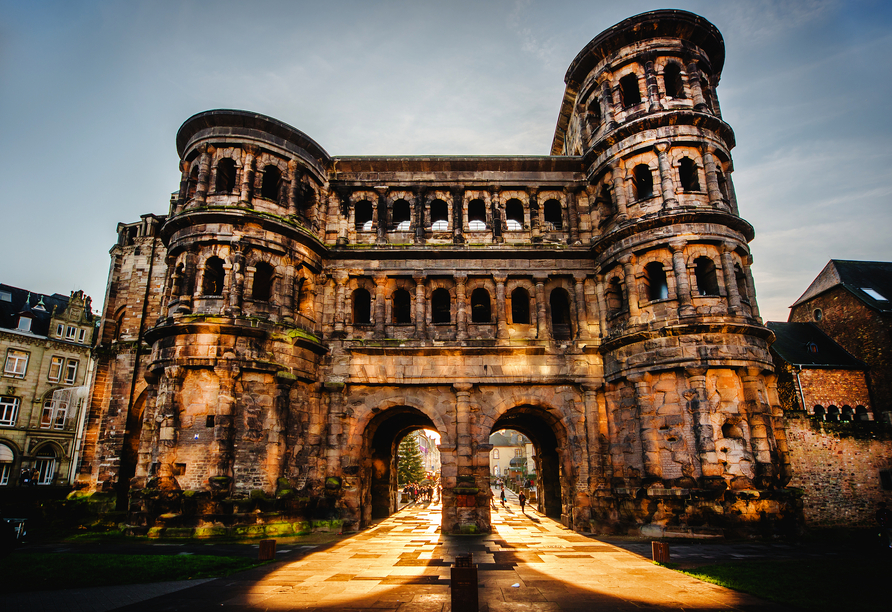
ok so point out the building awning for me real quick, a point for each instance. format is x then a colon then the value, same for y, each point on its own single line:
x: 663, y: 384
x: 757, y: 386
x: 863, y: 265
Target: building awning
x: 6, y: 455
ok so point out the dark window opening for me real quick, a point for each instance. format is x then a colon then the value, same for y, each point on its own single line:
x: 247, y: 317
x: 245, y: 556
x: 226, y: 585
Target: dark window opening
x: 631, y: 94
x: 560, y: 315
x: 723, y: 185
x: 178, y: 469
x: 441, y: 311
x: 402, y: 307
x: 514, y: 215
x: 687, y: 172
x: 614, y: 297
x: 439, y: 216
x: 476, y: 215
x: 213, y: 277
x: 604, y: 202
x: 847, y: 413
x: 705, y: 273
x: 554, y: 218
x: 272, y: 180
x: 209, y: 420
x: 481, y: 307
x: 192, y: 183
x: 362, y: 213
x: 819, y: 412
x: 225, y: 182
x: 886, y: 479
x: 832, y: 413
x: 263, y: 282
x: 672, y: 81
x: 644, y: 182
x: 401, y: 216
x: 362, y: 307
x: 732, y: 430
x: 861, y: 413
x: 594, y: 112
x: 657, y: 286
x: 520, y: 307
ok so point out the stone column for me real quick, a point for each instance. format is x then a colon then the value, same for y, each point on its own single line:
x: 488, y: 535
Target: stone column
x: 461, y: 309
x: 631, y: 287
x: 653, y: 92
x: 168, y: 388
x: 341, y: 280
x: 602, y: 304
x: 581, y: 310
x: 730, y: 278
x: 237, y: 280
x: 712, y: 180
x: 751, y: 287
x: 501, y: 320
x: 607, y: 105
x: 380, y: 282
x: 618, y: 189
x: 496, y: 216
x: 758, y: 414
x: 535, y: 216
x: 732, y: 194
x: 335, y: 427
x: 698, y: 407
x: 185, y: 168
x: 222, y: 454
x: 541, y: 316
x: 381, y: 218
x: 573, y: 216
x: 682, y: 281
x: 420, y: 316
x: 458, y: 196
x: 463, y: 427
x: 666, y: 185
x: 288, y: 304
x: 647, y: 426
x: 204, y: 172
x: 419, y: 216
x: 696, y: 87
x: 593, y: 434
x: 294, y: 187
x: 247, y: 187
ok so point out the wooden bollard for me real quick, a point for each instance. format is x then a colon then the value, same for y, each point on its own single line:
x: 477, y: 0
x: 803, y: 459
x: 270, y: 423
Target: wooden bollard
x: 660, y: 552
x: 267, y: 550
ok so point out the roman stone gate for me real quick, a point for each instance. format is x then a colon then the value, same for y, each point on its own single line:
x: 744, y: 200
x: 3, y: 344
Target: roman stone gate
x: 294, y: 315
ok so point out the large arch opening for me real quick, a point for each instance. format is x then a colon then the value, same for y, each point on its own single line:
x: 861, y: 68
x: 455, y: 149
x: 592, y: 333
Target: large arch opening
x: 544, y: 469
x: 383, y: 435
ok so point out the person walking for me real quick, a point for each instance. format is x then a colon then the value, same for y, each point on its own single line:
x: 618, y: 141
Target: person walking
x: 503, y: 498
x: 523, y: 500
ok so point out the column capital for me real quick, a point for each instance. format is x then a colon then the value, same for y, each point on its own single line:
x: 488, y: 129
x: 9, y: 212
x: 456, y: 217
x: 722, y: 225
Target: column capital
x: 419, y: 276
x: 341, y: 277
x: 729, y: 246
x: 462, y: 387
x: 677, y: 245
x: 662, y: 146
x: 380, y: 278
x: 540, y: 278
x: 460, y: 277
x: 500, y: 278
x: 580, y: 277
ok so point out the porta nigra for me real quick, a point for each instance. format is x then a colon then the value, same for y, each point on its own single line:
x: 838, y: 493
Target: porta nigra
x: 267, y: 343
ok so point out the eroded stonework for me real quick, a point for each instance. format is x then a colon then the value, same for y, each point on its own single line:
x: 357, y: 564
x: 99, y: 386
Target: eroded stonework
x: 271, y: 339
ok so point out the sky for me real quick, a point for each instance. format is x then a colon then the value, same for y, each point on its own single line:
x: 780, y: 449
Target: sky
x: 92, y: 94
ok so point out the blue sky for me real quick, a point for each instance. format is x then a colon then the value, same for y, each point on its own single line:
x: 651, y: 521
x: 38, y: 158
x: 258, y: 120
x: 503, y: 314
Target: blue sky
x: 93, y: 92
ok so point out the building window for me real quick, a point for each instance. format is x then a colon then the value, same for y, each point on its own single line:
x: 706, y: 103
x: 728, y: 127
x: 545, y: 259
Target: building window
x: 5, y: 296
x: 672, y: 81
x: 213, y: 277
x: 16, y: 363
x: 55, y: 373
x: 818, y: 315
x: 476, y: 215
x: 402, y: 307
x: 9, y: 410
x: 362, y: 307
x: 81, y: 336
x: 5, y: 469
x: 401, y: 216
x: 263, y: 282
x: 225, y: 182
x: 514, y: 215
x: 24, y: 324
x: 495, y: 453
x: 362, y: 213
x: 272, y: 180
x: 643, y: 181
x: 520, y: 307
x: 614, y: 297
x: 687, y: 174
x: 560, y: 315
x: 707, y: 281
x: 439, y: 216
x: 518, y: 452
x: 60, y: 330
x: 553, y: 215
x: 71, y: 333
x: 657, y: 287
x: 46, y: 417
x: 440, y: 306
x: 6, y: 460
x: 481, y: 307
x: 70, y: 371
x: 631, y: 94
x: 45, y: 466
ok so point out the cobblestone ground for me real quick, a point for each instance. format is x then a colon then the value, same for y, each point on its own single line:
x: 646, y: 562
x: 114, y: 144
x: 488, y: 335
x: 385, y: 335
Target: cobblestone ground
x: 528, y: 563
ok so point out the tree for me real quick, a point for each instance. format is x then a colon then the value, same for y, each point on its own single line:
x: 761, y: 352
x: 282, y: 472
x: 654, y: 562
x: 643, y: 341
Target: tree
x: 410, y: 467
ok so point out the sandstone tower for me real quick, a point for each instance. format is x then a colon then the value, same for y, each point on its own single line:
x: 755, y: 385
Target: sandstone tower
x: 300, y: 313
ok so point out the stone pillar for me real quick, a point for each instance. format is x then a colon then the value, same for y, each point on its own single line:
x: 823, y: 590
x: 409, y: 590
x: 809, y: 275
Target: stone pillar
x: 593, y: 434
x: 696, y: 87
x: 420, y: 316
x: 222, y: 454
x: 535, y: 216
x: 380, y: 286
x: 653, y: 92
x: 294, y: 187
x: 602, y: 304
x: 166, y: 416
x: 712, y: 180
x: 381, y: 218
x: 732, y: 194
x: 419, y: 216
x: 237, y: 281
x: 335, y: 427
x: 618, y: 188
x: 466, y: 489
x: 458, y: 196
x: 751, y: 287
x: 573, y: 216
x: 758, y: 414
x: 204, y: 172
x: 247, y: 188
x: 631, y: 287
x: 607, y: 105
x: 461, y: 307
x: 698, y: 407
x: 647, y: 426
x: 288, y: 304
x: 730, y: 278
x: 185, y: 168
x: 496, y: 216
x: 341, y: 280
x: 682, y: 281
x: 581, y: 310
x: 501, y: 320
x: 541, y: 316
x: 666, y: 185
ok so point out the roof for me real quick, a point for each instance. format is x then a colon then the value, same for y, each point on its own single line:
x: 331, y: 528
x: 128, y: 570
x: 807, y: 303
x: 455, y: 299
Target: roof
x: 22, y: 301
x: 869, y: 281
x: 804, y: 344
x: 513, y: 438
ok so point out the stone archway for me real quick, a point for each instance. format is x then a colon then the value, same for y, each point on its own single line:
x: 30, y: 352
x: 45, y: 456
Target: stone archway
x: 382, y: 436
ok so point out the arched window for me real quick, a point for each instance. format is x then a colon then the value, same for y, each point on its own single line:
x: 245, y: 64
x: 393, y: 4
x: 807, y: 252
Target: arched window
x: 476, y: 215
x: 45, y: 466
x: 362, y: 307
x: 631, y: 94
x: 847, y: 413
x: 481, y: 306
x: 832, y: 413
x: 560, y: 315
x: 272, y: 180
x: 213, y: 277
x: 687, y: 173
x: 657, y: 287
x: 401, y: 216
x: 593, y: 110
x: 554, y: 218
x: 707, y: 281
x: 362, y: 214
x: 439, y: 216
x: 644, y: 182
x: 514, y: 215
x: 861, y: 413
x: 402, y: 307
x: 614, y: 297
x: 263, y: 282
x: 520, y: 306
x: 7, y: 458
x: 441, y: 311
x: 819, y: 412
x: 225, y: 182
x: 723, y: 185
x: 672, y: 81
x: 740, y: 279
x: 192, y: 183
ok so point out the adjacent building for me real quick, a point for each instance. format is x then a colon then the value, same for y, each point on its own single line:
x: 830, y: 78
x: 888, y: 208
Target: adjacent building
x: 45, y: 345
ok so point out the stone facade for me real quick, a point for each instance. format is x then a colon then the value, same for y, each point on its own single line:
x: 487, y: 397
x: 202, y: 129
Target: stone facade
x: 273, y: 337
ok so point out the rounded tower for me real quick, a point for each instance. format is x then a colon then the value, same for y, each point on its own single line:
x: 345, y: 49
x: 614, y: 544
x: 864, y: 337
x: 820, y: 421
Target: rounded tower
x: 689, y: 386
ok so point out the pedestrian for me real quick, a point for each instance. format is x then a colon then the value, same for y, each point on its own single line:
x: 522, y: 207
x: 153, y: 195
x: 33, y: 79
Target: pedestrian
x: 884, y: 518
x: 522, y: 499
x: 504, y: 498
x: 25, y: 477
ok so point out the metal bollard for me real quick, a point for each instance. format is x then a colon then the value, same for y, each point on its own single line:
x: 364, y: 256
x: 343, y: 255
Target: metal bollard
x: 464, y: 584
x: 660, y: 551
x: 267, y: 550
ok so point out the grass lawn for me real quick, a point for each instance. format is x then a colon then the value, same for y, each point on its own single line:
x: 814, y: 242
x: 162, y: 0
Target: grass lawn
x: 46, y: 571
x: 831, y: 584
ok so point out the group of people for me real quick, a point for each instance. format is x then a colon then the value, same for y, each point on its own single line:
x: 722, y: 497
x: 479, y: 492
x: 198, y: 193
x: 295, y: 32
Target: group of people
x: 29, y: 476
x: 416, y: 492
x: 521, y: 498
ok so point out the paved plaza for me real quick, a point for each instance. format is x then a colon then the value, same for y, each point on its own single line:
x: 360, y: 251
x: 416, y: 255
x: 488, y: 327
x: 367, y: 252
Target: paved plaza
x: 403, y: 563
